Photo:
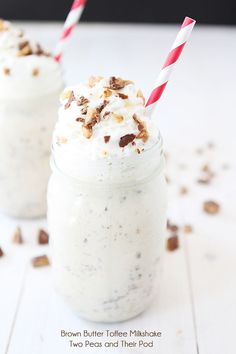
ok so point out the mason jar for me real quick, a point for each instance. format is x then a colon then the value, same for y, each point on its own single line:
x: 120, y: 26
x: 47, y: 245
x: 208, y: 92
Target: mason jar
x: 107, y: 221
x: 28, y: 112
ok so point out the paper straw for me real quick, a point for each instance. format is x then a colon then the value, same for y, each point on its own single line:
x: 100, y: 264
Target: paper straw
x: 70, y: 23
x: 171, y: 59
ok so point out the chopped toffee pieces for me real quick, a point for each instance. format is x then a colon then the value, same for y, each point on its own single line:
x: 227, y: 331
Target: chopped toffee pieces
x: 79, y: 119
x: 22, y: 45
x: 102, y: 106
x: 122, y: 95
x: 24, y: 49
x: 17, y: 236
x: 211, y: 207
x: 107, y: 93
x: 140, y: 95
x: 106, y: 114
x: 1, y: 252
x: 106, y: 108
x: 116, y: 83
x: 66, y: 94
x: 87, y: 131
x: 126, y: 139
x: 70, y: 99
x: 172, y: 243
x: 40, y: 261
x: 143, y: 133
x: 35, y: 72
x: 172, y: 227
x: 93, y: 80
x: 39, y: 50
x: 188, y: 228
x: 92, y: 119
x: 82, y: 101
x: 84, y: 110
x: 7, y: 71
x: 117, y: 117
x: 107, y: 138
x: 93, y: 116
x: 43, y: 237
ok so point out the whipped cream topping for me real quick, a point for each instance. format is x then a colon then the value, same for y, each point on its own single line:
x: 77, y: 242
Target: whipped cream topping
x: 103, y: 118
x: 24, y: 64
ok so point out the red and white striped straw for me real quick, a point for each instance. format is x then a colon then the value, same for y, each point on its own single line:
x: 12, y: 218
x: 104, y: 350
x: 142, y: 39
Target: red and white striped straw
x: 70, y: 23
x: 171, y: 59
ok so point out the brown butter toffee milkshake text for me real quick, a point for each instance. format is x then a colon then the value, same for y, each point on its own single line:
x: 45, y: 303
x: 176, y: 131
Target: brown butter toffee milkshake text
x: 30, y: 84
x: 106, y: 200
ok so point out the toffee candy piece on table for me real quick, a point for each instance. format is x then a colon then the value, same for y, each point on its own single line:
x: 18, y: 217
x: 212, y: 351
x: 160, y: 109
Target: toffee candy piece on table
x: 211, y: 207
x: 17, y: 236
x: 172, y: 243
x: 43, y: 237
x: 40, y: 261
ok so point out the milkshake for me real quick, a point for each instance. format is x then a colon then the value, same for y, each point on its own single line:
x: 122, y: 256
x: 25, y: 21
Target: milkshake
x: 30, y: 84
x: 106, y: 200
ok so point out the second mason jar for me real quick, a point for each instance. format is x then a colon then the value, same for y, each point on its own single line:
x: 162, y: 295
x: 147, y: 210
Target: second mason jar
x: 30, y: 84
x: 107, y: 224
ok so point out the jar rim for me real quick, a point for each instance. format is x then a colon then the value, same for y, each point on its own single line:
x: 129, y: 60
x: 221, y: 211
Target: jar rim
x: 131, y: 162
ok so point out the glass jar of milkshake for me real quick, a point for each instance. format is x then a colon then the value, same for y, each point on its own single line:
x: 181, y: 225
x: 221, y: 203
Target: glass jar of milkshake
x: 30, y: 84
x: 106, y: 201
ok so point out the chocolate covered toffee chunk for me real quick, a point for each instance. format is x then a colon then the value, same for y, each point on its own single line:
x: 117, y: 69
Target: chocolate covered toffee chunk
x: 211, y: 207
x: 116, y: 83
x: 172, y: 243
x: 107, y: 138
x: 43, y: 237
x: 40, y: 261
x: 126, y: 139
x: 17, y: 236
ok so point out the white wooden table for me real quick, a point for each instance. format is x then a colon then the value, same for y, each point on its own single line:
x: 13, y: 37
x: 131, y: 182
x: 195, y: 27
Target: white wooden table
x: 196, y: 308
